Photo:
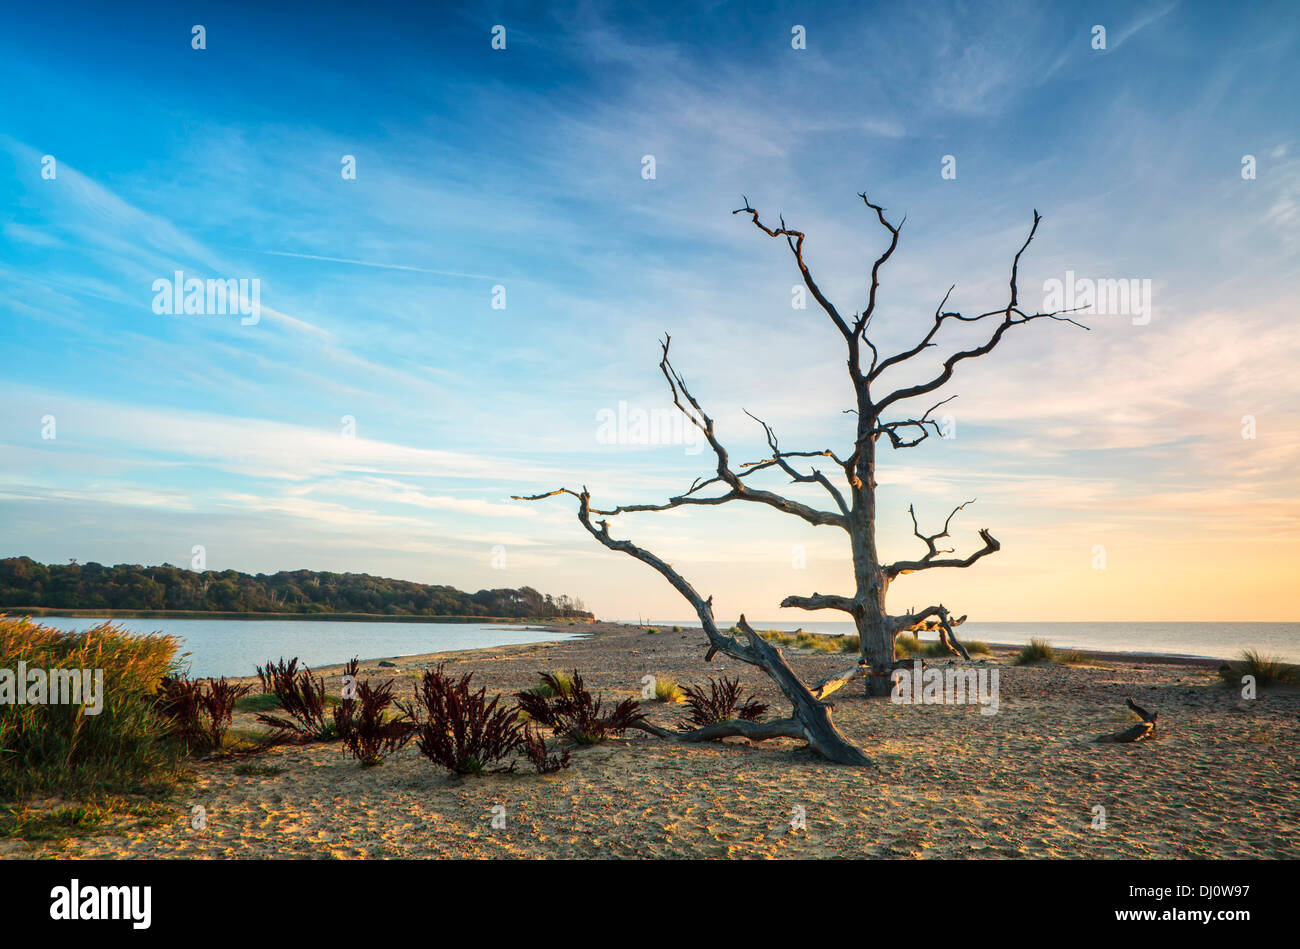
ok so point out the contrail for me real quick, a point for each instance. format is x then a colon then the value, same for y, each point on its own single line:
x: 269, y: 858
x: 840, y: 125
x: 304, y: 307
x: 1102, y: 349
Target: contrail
x: 367, y: 263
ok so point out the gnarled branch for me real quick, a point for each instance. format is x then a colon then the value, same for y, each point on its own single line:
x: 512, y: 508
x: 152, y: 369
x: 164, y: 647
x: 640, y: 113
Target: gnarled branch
x: 891, y: 429
x: 819, y: 601
x: 813, y: 716
x: 942, y: 622
x: 900, y: 567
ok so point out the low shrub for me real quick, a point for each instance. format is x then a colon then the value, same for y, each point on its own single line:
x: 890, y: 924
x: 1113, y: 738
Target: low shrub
x: 460, y: 729
x: 721, y: 703
x: 577, y: 714
x: 535, y: 749
x: 368, y: 731
x: 198, y: 712
x: 302, y: 697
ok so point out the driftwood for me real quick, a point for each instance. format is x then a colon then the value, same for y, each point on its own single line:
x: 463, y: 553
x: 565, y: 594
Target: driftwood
x: 1140, y: 732
x: 880, y: 414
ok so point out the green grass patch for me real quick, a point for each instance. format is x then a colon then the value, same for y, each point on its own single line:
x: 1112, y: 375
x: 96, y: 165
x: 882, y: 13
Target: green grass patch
x: 64, y: 821
x: 258, y: 703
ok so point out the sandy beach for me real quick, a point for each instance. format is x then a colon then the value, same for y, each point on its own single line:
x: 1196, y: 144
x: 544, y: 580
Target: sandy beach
x: 948, y: 782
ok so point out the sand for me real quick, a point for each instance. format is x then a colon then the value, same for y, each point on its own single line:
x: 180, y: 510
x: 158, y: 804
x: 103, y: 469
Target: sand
x: 948, y: 782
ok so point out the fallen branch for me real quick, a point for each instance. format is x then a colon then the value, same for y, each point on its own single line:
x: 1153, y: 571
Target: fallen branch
x: 739, y: 727
x: 1140, y: 732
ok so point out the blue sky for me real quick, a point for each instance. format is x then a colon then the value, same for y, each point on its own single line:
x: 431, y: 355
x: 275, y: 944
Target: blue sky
x: 522, y: 168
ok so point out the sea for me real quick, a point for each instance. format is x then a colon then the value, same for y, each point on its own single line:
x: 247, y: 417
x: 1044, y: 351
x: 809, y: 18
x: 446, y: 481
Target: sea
x: 1200, y: 640
x: 236, y: 647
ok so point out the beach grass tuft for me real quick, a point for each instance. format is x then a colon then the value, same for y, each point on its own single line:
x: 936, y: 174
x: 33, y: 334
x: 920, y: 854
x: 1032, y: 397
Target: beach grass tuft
x: 1038, y: 650
x: 817, y: 642
x: 1267, y: 670
x: 551, y: 682
x: 666, y: 690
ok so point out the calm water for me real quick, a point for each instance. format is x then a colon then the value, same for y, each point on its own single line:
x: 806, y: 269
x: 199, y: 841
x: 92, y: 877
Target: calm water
x: 233, y: 647
x: 1210, y: 640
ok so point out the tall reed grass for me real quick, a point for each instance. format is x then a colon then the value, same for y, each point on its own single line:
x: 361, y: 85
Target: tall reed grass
x: 59, y: 749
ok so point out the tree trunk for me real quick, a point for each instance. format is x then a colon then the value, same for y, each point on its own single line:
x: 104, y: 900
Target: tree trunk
x: 875, y: 630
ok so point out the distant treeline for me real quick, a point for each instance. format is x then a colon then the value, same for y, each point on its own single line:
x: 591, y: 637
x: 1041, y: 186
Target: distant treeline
x: 93, y: 586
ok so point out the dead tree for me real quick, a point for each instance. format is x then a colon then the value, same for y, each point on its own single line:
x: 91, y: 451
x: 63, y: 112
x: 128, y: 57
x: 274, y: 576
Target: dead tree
x: 852, y: 493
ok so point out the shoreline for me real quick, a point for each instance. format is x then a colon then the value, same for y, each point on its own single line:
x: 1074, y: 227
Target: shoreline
x: 1001, y: 651
x: 946, y: 781
x: 549, y: 624
x: 39, y: 612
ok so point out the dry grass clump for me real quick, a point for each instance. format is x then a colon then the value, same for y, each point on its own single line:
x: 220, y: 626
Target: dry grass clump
x: 58, y: 748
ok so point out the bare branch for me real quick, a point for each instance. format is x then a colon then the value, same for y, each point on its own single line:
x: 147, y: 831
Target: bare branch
x: 739, y: 490
x: 891, y: 428
x: 991, y: 545
x: 795, y: 240
x: 863, y: 321
x: 779, y: 458
x: 819, y: 601
x: 754, y: 731
x: 943, y: 623
x: 911, y: 566
x: 1012, y: 315
x: 840, y: 679
x: 923, y: 622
